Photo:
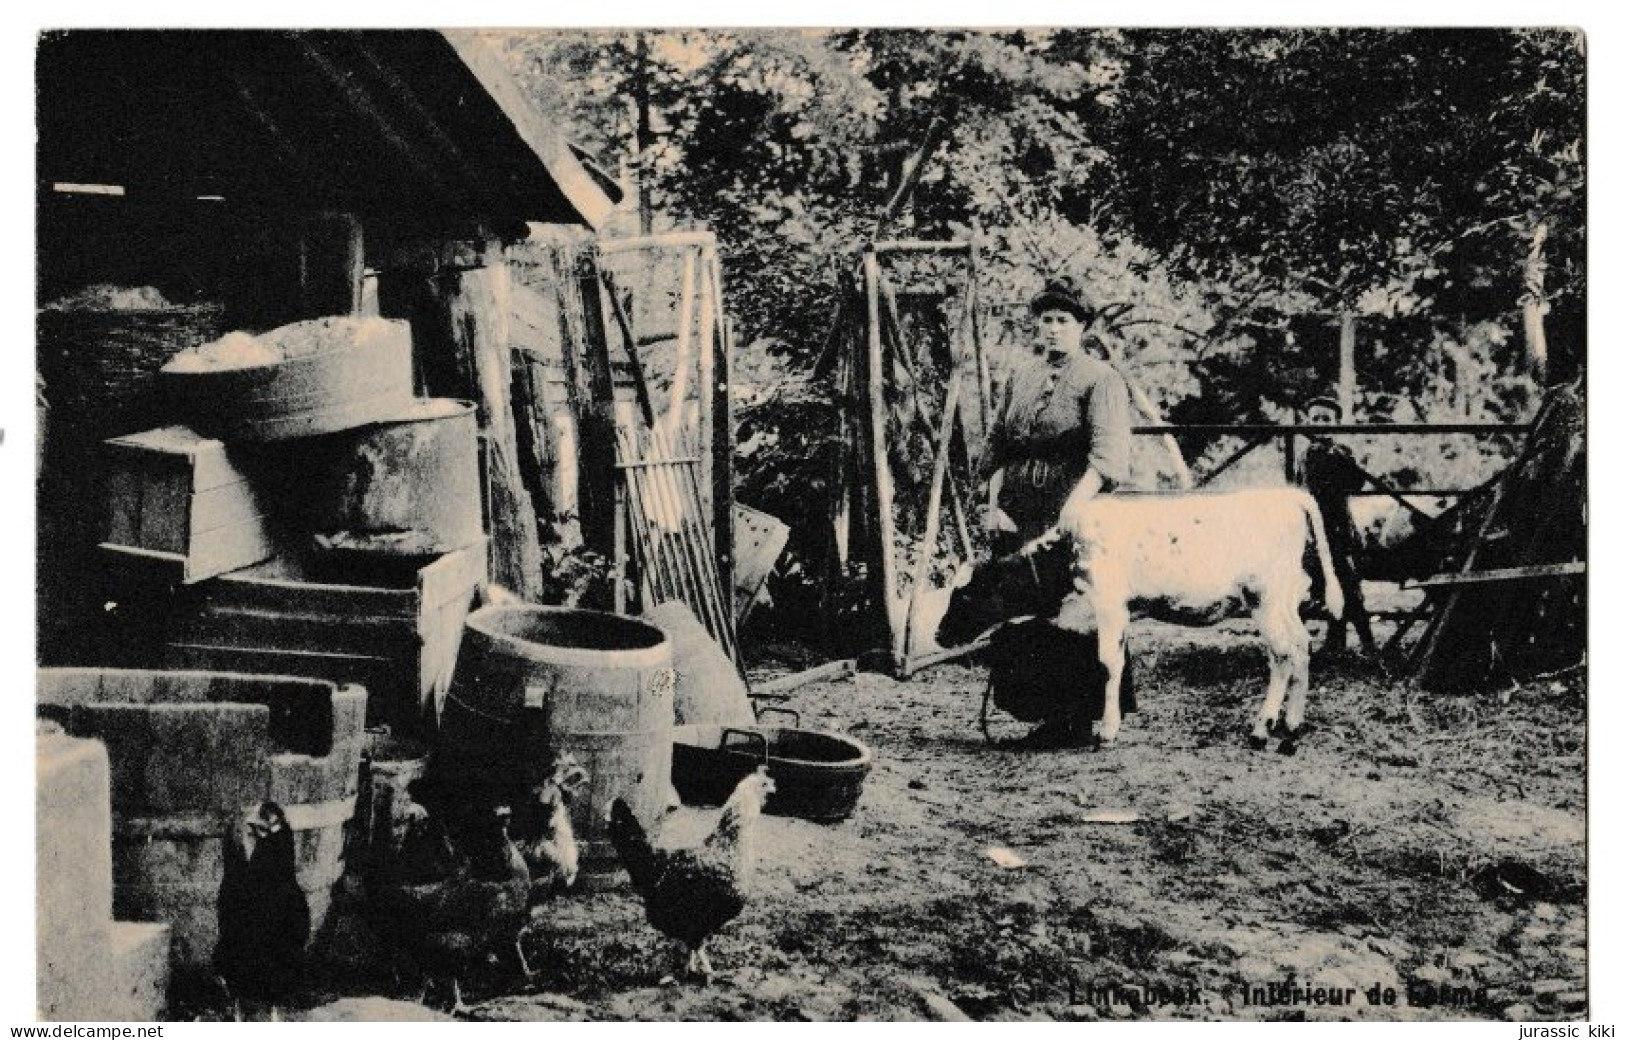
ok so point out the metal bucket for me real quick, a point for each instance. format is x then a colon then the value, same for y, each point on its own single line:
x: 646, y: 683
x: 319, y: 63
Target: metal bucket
x: 408, y: 486
x: 816, y: 775
x: 362, y: 381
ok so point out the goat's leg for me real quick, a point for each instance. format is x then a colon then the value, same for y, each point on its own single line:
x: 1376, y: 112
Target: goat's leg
x: 1112, y: 630
x: 1278, y: 642
x: 1297, y: 700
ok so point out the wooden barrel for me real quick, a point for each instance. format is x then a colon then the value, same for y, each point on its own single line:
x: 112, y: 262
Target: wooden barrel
x: 535, y: 682
x: 190, y: 752
x: 407, y: 486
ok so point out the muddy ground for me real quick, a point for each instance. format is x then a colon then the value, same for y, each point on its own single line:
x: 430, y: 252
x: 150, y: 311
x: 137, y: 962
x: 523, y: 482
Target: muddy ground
x: 1419, y: 857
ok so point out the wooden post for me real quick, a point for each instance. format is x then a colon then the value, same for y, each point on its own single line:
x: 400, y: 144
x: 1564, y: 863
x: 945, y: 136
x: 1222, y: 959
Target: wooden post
x: 719, y: 450
x: 1289, y: 457
x: 330, y: 265
x: 596, y: 492
x: 1345, y: 366
x: 685, y: 326
x: 885, y: 578
x: 706, y: 342
x: 1534, y: 302
x: 645, y: 138
x: 470, y: 325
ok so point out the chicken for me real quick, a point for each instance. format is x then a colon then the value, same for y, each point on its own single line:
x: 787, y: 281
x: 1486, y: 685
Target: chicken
x: 544, y: 833
x: 689, y: 894
x: 264, y: 917
x: 465, y: 919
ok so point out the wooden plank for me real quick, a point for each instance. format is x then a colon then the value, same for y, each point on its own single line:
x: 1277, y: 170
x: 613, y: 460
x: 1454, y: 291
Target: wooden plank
x: 664, y: 240
x: 1346, y: 339
x: 209, y: 461
x: 705, y: 363
x: 1378, y: 429
x: 1545, y: 570
x: 330, y: 265
x: 640, y: 383
x: 828, y: 672
x: 917, y: 245
x: 761, y: 540
x: 943, y: 656
x: 248, y: 590
x: 933, y: 516
x: 392, y: 638
x: 596, y: 492
x: 452, y: 576
x: 220, y: 507
x: 721, y: 446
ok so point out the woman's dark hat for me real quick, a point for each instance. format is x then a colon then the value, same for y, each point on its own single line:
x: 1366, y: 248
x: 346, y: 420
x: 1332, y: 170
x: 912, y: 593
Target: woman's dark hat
x: 1061, y: 295
x: 1330, y: 403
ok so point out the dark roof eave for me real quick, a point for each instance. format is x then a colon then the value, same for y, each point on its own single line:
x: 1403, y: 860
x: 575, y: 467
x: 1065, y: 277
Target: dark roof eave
x: 591, y: 196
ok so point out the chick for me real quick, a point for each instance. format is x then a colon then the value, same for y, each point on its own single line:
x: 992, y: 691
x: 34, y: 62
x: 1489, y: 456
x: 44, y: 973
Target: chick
x: 690, y: 894
x: 264, y: 917
x: 544, y: 833
x: 473, y: 915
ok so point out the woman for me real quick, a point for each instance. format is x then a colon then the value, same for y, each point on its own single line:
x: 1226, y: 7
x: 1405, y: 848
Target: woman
x: 1063, y: 429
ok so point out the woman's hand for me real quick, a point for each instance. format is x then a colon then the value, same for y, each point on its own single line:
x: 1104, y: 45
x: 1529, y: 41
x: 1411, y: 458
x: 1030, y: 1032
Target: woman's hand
x: 996, y: 520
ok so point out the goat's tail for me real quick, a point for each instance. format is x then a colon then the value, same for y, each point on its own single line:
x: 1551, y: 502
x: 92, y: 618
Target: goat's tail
x: 1333, y: 598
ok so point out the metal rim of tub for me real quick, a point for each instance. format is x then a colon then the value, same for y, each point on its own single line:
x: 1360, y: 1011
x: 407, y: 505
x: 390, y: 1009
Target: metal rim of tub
x: 706, y: 767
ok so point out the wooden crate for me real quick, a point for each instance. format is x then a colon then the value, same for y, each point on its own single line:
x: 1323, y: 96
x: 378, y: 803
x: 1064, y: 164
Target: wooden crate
x: 179, y: 501
x: 394, y: 629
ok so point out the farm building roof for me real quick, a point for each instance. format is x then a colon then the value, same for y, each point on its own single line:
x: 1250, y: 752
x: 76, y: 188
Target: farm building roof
x: 402, y: 122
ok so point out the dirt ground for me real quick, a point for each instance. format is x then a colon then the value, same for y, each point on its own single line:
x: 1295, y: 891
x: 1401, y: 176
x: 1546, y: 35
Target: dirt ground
x: 1418, y: 858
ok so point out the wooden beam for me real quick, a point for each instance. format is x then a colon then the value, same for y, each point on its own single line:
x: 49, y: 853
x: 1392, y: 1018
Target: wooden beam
x: 665, y: 240
x: 914, y: 245
x: 933, y: 512
x: 884, y: 519
x: 828, y: 672
x: 596, y: 492
x: 539, y: 133
x: 1345, y: 365
x: 640, y: 383
x: 330, y: 265
x: 1536, y: 571
x: 721, y: 447
x: 473, y: 327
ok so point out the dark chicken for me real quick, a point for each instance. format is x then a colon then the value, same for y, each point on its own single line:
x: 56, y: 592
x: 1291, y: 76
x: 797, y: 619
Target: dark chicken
x: 264, y: 917
x: 454, y: 924
x: 689, y: 894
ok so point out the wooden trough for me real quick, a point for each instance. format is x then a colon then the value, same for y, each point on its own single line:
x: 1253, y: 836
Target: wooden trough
x: 392, y: 626
x: 190, y: 752
x: 182, y: 503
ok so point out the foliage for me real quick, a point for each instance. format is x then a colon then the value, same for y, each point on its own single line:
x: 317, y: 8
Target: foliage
x: 1235, y: 192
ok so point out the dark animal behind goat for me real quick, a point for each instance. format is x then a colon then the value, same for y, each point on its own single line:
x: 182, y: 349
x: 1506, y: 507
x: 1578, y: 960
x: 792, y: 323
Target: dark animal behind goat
x: 1019, y: 585
x: 1042, y: 672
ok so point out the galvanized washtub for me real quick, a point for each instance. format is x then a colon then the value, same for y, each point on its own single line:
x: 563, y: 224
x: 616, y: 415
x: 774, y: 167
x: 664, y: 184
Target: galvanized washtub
x: 357, y: 371
x: 409, y: 485
x: 817, y: 775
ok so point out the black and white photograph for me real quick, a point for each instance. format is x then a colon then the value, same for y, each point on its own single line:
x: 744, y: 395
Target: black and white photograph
x: 828, y: 524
